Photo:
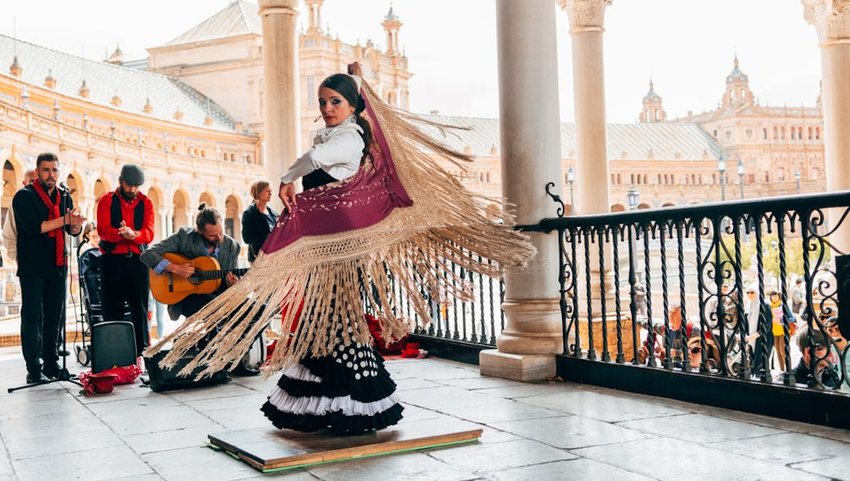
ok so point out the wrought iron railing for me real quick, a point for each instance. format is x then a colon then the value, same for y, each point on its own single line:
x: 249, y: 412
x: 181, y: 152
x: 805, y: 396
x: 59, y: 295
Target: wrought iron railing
x: 710, y: 289
x: 476, y: 322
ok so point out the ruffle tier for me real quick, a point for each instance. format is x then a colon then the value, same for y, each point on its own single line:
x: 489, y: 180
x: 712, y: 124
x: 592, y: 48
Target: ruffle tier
x: 349, y: 391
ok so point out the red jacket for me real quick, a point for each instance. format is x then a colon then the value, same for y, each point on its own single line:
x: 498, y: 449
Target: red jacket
x: 109, y: 233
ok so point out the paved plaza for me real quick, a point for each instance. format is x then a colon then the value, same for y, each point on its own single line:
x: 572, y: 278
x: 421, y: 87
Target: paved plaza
x: 535, y: 432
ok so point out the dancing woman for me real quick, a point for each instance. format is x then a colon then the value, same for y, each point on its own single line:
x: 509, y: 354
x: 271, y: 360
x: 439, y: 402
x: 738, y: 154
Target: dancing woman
x: 349, y: 390
x: 380, y: 222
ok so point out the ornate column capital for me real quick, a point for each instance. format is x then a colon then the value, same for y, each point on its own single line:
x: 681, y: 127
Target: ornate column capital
x: 585, y: 15
x: 831, y: 19
x: 280, y: 7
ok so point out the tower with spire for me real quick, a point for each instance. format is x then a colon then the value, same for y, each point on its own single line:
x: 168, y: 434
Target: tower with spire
x: 314, y: 14
x: 653, y: 110
x: 116, y: 57
x: 392, y: 25
x: 738, y: 93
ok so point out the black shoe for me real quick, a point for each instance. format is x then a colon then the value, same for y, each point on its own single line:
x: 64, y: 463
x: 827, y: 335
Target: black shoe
x: 36, y: 378
x: 63, y: 353
x: 51, y: 370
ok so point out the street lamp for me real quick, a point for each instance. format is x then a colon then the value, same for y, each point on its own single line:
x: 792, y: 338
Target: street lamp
x: 721, y: 167
x: 633, y: 197
x: 741, y: 177
x: 571, y: 179
x: 797, y: 177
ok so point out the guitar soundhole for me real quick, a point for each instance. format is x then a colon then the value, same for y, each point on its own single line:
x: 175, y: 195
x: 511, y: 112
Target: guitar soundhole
x: 195, y: 279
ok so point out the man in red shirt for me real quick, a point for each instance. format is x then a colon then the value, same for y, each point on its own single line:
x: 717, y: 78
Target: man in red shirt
x: 125, y: 223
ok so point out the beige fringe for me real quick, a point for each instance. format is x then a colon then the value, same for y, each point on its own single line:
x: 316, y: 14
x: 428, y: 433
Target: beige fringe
x: 411, y: 249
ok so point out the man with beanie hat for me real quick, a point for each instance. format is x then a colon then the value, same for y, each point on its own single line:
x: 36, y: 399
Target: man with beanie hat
x: 125, y: 223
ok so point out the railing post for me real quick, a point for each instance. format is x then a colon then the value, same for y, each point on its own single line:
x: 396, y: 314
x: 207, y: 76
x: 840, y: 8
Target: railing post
x: 630, y: 228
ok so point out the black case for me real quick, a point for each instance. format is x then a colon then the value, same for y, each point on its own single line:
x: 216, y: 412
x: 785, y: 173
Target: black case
x: 167, y: 379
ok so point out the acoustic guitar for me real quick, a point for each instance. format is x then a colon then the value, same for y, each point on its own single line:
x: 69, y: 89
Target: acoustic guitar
x: 169, y: 288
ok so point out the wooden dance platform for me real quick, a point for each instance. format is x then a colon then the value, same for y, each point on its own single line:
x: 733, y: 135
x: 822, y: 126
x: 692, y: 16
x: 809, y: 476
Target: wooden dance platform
x: 270, y: 449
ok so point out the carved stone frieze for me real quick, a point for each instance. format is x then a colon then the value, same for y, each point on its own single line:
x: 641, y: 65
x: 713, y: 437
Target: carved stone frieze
x: 831, y: 19
x: 585, y: 14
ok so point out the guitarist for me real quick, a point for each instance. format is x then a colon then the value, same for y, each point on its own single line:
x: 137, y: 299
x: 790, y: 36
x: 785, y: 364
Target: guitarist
x: 206, y: 239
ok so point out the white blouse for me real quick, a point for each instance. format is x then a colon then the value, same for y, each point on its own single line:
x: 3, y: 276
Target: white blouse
x: 337, y: 151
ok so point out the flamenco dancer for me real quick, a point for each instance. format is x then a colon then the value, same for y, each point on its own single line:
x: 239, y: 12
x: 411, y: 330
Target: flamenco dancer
x: 378, y: 219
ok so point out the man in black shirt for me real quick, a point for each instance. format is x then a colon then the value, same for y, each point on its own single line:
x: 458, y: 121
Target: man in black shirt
x: 43, y: 213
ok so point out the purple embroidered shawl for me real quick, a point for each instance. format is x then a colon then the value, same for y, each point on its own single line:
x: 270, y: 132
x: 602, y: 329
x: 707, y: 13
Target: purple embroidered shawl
x: 360, y: 201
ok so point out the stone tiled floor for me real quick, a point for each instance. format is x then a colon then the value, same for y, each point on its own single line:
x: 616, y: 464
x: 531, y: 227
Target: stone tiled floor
x: 531, y: 432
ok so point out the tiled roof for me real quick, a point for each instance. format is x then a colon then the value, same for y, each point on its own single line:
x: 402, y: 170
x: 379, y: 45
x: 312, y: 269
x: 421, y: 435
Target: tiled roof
x: 104, y: 80
x: 666, y: 141
x: 238, y: 18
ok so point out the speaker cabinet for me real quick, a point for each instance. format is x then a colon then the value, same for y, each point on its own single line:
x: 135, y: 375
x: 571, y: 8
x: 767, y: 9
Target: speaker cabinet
x: 113, y: 344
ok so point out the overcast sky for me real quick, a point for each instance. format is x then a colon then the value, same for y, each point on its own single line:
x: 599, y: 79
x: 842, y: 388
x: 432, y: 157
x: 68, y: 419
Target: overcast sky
x: 687, y: 46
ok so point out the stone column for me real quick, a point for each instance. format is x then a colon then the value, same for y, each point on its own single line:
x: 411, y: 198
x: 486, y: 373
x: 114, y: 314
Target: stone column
x: 586, y: 19
x: 592, y: 179
x: 167, y: 228
x: 531, y: 153
x: 89, y: 208
x: 831, y: 19
x: 280, y: 75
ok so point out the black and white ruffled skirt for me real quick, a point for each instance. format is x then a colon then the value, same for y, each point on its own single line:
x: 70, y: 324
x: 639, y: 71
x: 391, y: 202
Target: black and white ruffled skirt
x: 349, y: 391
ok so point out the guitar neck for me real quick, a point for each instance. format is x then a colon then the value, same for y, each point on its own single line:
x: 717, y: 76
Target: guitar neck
x: 220, y: 274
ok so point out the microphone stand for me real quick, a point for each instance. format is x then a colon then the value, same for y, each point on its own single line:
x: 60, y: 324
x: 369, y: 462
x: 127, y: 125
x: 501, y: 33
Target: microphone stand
x: 64, y: 375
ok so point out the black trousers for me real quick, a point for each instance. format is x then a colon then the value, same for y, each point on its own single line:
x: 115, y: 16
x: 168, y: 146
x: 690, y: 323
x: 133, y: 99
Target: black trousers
x: 195, y: 302
x: 761, y: 353
x: 125, y: 279
x: 42, y: 302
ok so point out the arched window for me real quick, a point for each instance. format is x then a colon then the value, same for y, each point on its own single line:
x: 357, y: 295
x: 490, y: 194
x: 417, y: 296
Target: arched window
x: 782, y: 132
x: 810, y: 133
x: 775, y: 133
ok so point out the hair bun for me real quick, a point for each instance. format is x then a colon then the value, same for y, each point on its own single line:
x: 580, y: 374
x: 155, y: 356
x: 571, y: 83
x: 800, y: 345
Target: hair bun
x: 202, y: 206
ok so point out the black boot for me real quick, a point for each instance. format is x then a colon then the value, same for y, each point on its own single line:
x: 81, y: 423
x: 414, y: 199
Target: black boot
x: 51, y: 370
x: 36, y: 377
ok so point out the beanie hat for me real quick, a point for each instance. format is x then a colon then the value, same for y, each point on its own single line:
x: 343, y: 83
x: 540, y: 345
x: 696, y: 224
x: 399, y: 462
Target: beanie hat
x: 133, y: 175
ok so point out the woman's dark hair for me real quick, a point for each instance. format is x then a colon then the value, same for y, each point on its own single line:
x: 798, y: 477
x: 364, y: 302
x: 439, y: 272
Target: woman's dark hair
x: 345, y: 86
x: 206, y: 216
